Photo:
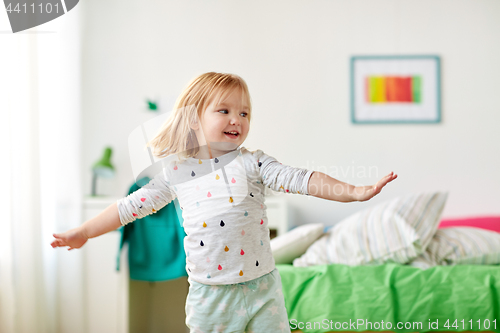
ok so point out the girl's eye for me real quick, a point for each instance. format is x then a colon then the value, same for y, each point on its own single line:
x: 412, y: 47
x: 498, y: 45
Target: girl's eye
x: 224, y: 111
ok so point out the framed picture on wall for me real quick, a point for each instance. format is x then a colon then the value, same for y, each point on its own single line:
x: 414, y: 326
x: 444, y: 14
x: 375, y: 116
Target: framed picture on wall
x: 395, y: 89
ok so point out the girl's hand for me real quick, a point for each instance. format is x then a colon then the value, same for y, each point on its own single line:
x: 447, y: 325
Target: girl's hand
x: 364, y: 193
x: 74, y: 238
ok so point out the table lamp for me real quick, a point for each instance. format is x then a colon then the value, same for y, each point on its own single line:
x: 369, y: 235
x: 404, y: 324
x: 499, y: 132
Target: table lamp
x: 102, y: 168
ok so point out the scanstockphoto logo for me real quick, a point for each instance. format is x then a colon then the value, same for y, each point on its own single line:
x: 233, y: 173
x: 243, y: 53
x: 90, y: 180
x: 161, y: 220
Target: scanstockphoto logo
x: 31, y: 13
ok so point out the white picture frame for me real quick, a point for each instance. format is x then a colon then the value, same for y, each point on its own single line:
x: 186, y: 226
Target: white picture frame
x: 395, y: 89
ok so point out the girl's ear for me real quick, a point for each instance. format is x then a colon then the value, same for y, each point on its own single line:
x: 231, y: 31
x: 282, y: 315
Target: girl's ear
x: 194, y: 125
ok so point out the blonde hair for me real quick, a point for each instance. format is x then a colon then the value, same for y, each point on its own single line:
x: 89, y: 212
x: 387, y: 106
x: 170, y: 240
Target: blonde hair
x: 176, y: 135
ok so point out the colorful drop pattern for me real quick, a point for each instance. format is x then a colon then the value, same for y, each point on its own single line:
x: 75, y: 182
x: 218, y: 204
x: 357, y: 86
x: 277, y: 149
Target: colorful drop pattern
x: 222, y: 223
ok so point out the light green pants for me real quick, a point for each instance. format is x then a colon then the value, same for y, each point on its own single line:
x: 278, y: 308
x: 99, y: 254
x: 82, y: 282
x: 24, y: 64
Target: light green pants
x: 255, y: 306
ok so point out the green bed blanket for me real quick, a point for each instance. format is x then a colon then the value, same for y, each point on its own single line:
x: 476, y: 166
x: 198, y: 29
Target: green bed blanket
x: 339, y: 297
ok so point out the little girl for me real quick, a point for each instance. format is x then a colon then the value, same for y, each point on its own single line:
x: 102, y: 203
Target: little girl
x: 234, y: 285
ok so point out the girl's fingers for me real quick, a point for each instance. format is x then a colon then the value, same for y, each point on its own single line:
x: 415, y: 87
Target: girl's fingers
x: 392, y: 175
x: 58, y: 242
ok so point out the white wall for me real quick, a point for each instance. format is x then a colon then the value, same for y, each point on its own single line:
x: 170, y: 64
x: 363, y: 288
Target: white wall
x: 294, y: 55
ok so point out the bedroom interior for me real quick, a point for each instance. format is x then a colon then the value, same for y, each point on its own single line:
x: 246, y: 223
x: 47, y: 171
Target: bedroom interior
x: 425, y: 251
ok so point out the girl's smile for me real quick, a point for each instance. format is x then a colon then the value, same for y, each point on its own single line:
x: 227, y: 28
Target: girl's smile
x: 232, y: 135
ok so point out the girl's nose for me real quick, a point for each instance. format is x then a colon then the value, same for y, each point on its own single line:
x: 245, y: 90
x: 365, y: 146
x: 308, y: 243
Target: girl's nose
x: 234, y: 120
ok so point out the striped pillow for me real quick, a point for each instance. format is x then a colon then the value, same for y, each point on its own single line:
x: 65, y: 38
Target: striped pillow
x: 393, y: 231
x: 466, y: 246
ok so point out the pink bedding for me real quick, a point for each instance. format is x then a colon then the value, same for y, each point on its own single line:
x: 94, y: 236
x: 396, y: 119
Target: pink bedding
x: 483, y: 222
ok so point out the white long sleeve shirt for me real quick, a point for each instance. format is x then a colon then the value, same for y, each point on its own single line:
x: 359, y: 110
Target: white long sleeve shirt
x: 222, y: 202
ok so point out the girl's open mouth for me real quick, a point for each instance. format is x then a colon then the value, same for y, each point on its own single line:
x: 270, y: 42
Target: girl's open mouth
x: 232, y: 135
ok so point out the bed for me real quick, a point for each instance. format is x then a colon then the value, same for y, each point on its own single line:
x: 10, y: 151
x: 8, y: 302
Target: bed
x: 392, y: 293
x: 394, y: 267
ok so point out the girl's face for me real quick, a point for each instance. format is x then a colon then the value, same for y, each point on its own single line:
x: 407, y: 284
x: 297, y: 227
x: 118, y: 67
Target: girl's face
x: 219, y: 122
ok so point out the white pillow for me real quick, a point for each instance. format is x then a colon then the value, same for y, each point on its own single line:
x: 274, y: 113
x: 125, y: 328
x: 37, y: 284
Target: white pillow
x: 397, y: 231
x: 466, y: 246
x: 294, y: 243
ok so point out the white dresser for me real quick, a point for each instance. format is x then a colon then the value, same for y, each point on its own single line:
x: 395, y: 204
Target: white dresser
x: 106, y: 289
x: 116, y: 304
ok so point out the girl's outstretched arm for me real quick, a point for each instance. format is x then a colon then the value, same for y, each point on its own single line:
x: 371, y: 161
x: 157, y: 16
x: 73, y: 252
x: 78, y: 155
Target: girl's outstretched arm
x: 107, y: 220
x: 323, y: 186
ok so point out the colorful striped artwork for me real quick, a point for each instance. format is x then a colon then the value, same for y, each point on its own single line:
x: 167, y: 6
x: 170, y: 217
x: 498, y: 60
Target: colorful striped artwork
x: 387, y: 89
